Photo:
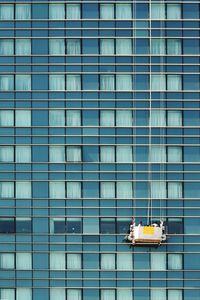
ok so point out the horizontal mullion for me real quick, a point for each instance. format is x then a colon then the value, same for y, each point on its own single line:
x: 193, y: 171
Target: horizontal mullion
x: 99, y: 91
x: 107, y: 135
x: 100, y: 207
x: 103, y: 100
x: 95, y: 144
x: 149, y: 109
x: 104, y: 73
x: 100, y: 172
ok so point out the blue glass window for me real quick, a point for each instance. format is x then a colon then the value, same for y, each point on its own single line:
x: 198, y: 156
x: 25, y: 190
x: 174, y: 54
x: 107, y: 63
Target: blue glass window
x: 23, y: 82
x: 57, y: 82
x: 73, y: 11
x: 6, y: 82
x: 57, y: 46
x: 57, y: 11
x: 6, y: 47
x: 7, y: 225
x: 107, y: 46
x: 73, y: 46
x: 23, y: 47
x: 23, y: 11
x: 6, y: 11
x: 107, y: 11
x: 6, y: 153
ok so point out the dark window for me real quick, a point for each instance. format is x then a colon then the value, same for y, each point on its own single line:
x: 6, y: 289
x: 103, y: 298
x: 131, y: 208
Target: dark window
x: 7, y: 225
x: 59, y: 226
x: 107, y: 225
x: 175, y: 226
x: 23, y: 225
x: 123, y: 225
x: 74, y: 225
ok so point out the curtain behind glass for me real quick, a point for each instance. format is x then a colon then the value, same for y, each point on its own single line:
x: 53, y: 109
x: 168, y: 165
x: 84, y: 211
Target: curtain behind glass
x: 57, y: 153
x: 175, y: 261
x: 174, y: 46
x: 158, y: 261
x: 23, y: 261
x: 57, y: 46
x: 6, y: 11
x: 107, y: 46
x: 6, y: 82
x: 174, y: 190
x: 174, y: 154
x: 174, y: 118
x: 8, y: 294
x: 73, y: 46
x: 123, y: 46
x: 6, y: 47
x: 157, y: 154
x: 158, y: 82
x: 23, y: 118
x: 125, y: 294
x: 175, y: 294
x: 158, y: 294
x: 107, y: 82
x: 57, y: 261
x: 23, y: 189
x: 157, y: 11
x: 73, y: 82
x: 73, y: 117
x: 173, y: 11
x: 7, y: 261
x: 7, y: 153
x: 73, y: 294
x: 174, y: 82
x: 73, y: 190
x: 73, y: 153
x: 22, y: 46
x: 124, y: 189
x: 23, y: 154
x: 157, y: 118
x: 107, y: 154
x: 57, y: 82
x: 107, y: 261
x: 124, y: 154
x: 22, y: 11
x: 57, y: 117
x: 74, y: 261
x: 6, y: 189
x: 107, y: 118
x: 158, y: 46
x: 123, y: 11
x: 124, y: 82
x: 108, y: 295
x: 6, y: 118
x: 124, y: 118
x: 23, y: 82
x: 107, y: 189
x: 57, y: 11
x: 57, y: 190
x: 124, y: 261
x: 106, y: 11
x: 158, y: 189
x: 57, y: 294
x: 24, y: 294
x: 73, y: 11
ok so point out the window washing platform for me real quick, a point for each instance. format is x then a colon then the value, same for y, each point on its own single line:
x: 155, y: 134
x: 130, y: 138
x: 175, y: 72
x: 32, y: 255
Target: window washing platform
x: 152, y: 235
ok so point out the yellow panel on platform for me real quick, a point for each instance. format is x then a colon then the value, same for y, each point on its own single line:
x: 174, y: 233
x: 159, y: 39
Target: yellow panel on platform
x: 148, y: 230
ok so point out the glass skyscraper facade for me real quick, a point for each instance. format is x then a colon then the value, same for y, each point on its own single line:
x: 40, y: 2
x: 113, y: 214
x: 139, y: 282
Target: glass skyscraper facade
x: 99, y: 122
